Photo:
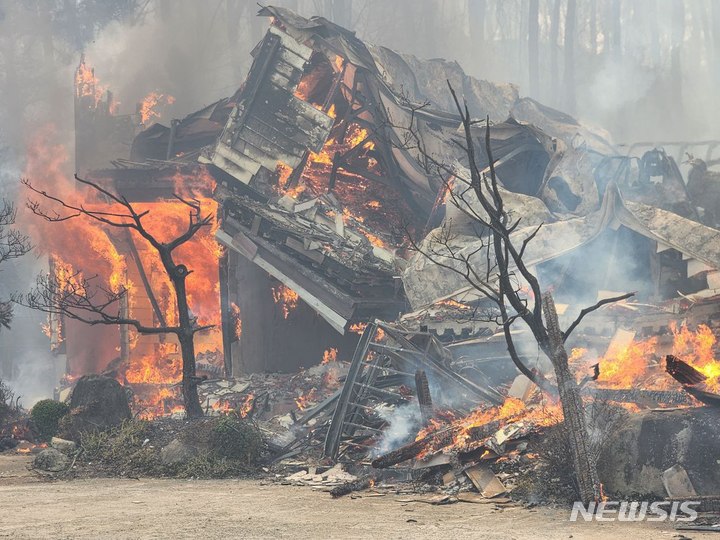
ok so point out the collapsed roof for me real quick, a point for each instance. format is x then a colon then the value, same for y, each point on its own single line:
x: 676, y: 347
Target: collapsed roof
x: 322, y: 166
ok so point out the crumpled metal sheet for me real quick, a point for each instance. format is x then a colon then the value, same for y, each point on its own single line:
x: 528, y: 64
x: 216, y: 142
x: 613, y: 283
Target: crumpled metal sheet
x: 427, y: 282
x: 464, y: 205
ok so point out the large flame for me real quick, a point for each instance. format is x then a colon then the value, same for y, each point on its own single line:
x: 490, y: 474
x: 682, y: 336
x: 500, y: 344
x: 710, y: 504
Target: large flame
x: 97, y: 250
x: 640, y: 364
x: 511, y: 411
x: 87, y: 84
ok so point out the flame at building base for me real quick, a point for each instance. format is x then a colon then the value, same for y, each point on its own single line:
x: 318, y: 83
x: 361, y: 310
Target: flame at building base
x: 85, y: 248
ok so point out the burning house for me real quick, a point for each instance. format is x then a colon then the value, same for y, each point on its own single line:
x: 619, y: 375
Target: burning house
x: 329, y: 157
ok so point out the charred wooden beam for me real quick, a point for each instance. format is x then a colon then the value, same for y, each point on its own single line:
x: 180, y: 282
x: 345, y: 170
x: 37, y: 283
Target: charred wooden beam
x: 683, y: 372
x: 143, y: 277
x: 639, y: 396
x: 226, y: 318
x: 348, y: 487
x: 693, y: 382
x: 436, y: 440
x: 422, y: 389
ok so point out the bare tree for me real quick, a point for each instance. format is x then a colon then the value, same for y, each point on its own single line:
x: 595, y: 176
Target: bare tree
x: 86, y: 300
x: 13, y: 244
x: 494, y: 267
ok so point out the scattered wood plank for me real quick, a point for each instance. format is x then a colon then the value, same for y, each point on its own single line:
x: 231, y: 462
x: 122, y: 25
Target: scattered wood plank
x: 436, y: 500
x: 677, y: 482
x: 477, y: 498
x: 485, y: 481
x: 436, y: 460
x: 521, y: 388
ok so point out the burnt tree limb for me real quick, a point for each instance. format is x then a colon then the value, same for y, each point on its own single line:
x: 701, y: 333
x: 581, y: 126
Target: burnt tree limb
x: 422, y: 388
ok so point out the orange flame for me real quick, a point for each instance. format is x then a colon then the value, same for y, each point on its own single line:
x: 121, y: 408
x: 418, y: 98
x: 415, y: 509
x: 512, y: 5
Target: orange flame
x: 87, y: 84
x: 329, y: 355
x: 149, y: 104
x: 286, y: 298
x: 305, y: 400
x: 235, y: 314
x: 99, y: 250
x: 640, y: 364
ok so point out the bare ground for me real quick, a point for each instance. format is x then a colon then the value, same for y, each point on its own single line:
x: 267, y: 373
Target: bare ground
x: 215, y: 509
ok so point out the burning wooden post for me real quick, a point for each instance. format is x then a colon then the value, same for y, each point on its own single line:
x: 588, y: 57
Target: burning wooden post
x: 422, y: 389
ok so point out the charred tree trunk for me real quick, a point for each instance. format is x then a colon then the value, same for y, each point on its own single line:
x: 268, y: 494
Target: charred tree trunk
x: 341, y: 13
x: 533, y: 52
x: 186, y: 336
x: 652, y: 13
x: 572, y: 406
x: 422, y: 389
x: 678, y: 33
x: 716, y: 39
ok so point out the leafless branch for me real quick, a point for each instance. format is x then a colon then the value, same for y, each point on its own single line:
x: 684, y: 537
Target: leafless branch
x: 588, y: 310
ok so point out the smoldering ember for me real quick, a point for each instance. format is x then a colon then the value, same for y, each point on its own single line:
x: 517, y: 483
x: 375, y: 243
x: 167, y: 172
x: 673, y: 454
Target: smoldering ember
x: 367, y: 293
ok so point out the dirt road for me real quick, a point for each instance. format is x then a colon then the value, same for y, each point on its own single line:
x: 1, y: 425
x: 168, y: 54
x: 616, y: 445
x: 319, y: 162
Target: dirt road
x: 225, y: 509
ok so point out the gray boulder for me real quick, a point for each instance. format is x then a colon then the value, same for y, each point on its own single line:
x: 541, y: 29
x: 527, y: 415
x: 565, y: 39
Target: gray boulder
x: 178, y: 451
x: 650, y: 442
x: 51, y: 460
x: 62, y: 444
x: 97, y: 403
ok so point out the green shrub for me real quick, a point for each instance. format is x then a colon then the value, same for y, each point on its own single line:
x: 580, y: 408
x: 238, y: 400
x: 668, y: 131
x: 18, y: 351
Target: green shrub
x: 46, y: 415
x: 121, y: 450
x: 6, y: 403
x: 209, y: 465
x: 236, y: 439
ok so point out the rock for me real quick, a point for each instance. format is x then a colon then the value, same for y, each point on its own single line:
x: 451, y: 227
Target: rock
x: 51, y: 460
x: 64, y: 394
x: 636, y: 455
x: 62, y: 444
x: 97, y: 403
x: 177, y: 452
x: 7, y: 443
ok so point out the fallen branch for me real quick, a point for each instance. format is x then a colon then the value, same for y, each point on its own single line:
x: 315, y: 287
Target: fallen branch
x: 348, y: 487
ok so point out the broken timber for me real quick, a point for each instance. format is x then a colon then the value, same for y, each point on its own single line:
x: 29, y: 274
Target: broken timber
x: 436, y: 440
x: 693, y: 382
x: 401, y: 353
